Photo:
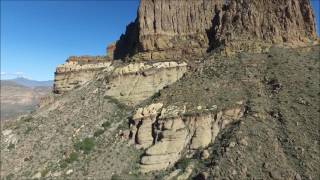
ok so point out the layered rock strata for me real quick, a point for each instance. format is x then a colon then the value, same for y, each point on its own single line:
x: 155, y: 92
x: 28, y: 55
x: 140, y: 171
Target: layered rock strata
x: 135, y: 82
x: 77, y: 71
x: 166, y: 29
x: 129, y: 83
x: 178, y: 30
x: 166, y: 133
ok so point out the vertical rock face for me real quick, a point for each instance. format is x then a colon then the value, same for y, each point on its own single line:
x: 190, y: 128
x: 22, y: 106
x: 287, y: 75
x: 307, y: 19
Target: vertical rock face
x: 110, y: 50
x: 169, y: 29
x: 173, y: 29
x: 242, y: 22
x: 166, y: 25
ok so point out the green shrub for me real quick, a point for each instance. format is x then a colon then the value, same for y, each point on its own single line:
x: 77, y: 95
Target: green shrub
x: 28, y: 130
x: 116, y: 177
x: 85, y: 145
x: 106, y: 124
x: 183, y: 164
x: 10, y: 176
x: 98, y: 132
x: 72, y: 157
x: 63, y: 164
x: 11, y: 146
x: 27, y: 118
x: 44, y: 172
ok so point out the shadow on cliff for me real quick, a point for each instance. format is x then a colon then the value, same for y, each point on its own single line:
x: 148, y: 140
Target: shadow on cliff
x: 127, y: 44
x: 212, y: 32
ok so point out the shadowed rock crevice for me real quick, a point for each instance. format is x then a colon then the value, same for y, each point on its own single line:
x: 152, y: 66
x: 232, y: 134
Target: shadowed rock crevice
x: 127, y: 45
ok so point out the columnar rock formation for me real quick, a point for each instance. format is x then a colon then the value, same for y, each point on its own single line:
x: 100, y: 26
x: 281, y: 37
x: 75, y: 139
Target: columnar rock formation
x: 169, y: 29
x: 166, y: 133
x: 245, y: 25
x: 166, y: 29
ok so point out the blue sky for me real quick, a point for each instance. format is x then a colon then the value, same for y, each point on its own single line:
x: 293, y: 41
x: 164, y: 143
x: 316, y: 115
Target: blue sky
x: 37, y: 35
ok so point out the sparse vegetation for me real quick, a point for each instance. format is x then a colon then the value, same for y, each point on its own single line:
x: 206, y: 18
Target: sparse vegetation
x: 10, y: 176
x: 86, y: 145
x: 28, y: 130
x: 98, y: 132
x: 27, y: 118
x: 106, y: 124
x: 63, y: 164
x: 11, y: 146
x: 183, y: 163
x: 72, y: 157
x: 44, y: 172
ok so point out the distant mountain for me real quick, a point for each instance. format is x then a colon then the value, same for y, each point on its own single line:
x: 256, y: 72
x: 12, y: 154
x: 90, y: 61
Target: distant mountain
x: 30, y: 83
x: 18, y: 99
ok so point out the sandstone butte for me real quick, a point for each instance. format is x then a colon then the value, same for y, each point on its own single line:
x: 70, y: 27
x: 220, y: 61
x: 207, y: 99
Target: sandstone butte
x: 163, y: 43
x: 188, y: 30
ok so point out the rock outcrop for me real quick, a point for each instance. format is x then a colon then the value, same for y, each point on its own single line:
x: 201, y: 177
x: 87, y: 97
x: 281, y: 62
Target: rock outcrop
x: 135, y: 82
x: 249, y: 25
x: 188, y: 29
x: 77, y: 71
x: 129, y: 83
x: 169, y: 29
x: 166, y: 133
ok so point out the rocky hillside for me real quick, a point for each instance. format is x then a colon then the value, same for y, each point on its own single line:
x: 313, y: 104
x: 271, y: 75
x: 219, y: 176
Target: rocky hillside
x: 187, y: 99
x: 252, y: 115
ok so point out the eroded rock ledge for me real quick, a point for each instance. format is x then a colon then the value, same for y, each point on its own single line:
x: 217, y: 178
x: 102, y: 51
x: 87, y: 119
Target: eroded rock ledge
x: 77, y: 71
x: 135, y: 82
x: 128, y: 83
x: 166, y: 133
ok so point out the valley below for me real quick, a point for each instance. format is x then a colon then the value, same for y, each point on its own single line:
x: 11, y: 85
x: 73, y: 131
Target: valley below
x: 18, y: 99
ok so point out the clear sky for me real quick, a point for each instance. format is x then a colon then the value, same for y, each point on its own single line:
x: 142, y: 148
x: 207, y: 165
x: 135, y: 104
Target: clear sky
x: 38, y: 35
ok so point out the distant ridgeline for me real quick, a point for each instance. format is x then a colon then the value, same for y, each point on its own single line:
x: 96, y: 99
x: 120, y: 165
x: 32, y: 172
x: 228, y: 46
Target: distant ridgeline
x: 184, y: 30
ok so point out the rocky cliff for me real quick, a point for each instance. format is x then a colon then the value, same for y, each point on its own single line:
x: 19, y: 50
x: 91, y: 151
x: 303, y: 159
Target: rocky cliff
x: 168, y: 133
x: 175, y: 107
x: 77, y: 71
x: 169, y: 29
x: 264, y: 22
x: 176, y: 29
x: 133, y: 83
x: 186, y: 30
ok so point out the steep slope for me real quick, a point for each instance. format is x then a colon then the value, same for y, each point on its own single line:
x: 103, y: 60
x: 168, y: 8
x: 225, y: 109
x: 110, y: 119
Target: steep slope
x: 277, y: 136
x: 79, y: 131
